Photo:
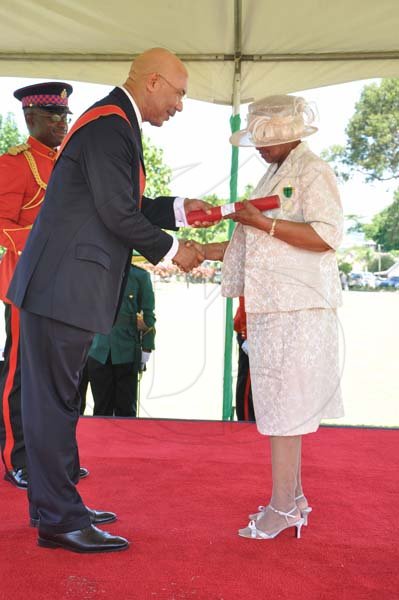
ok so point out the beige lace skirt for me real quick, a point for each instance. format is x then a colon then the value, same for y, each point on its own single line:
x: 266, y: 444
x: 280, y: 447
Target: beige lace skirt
x: 295, y: 371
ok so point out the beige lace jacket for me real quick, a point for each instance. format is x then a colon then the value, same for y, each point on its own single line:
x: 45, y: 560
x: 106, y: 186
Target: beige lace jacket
x: 273, y: 275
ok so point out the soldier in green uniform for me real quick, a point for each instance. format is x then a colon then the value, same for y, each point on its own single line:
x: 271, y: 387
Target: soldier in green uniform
x: 115, y: 359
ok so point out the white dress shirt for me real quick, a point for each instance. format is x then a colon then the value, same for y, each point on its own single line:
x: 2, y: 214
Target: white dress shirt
x: 178, y: 205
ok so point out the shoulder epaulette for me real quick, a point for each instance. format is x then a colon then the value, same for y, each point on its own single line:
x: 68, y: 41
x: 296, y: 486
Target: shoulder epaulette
x: 14, y: 150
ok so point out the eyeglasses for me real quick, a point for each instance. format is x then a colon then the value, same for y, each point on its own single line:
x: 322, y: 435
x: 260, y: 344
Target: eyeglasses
x: 181, y: 93
x: 55, y: 117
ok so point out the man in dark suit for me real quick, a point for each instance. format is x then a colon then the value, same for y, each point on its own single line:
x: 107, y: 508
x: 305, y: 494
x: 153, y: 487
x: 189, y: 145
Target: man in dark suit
x: 71, y: 275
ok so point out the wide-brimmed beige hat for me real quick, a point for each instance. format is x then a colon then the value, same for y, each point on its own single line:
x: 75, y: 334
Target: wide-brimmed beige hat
x: 276, y: 120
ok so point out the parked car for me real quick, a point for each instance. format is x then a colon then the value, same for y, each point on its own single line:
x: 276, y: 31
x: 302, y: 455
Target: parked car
x: 363, y: 279
x: 390, y: 282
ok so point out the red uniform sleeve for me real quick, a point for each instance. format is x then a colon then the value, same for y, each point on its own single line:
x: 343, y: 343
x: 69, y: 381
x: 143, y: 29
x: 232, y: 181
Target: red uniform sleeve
x: 14, y: 172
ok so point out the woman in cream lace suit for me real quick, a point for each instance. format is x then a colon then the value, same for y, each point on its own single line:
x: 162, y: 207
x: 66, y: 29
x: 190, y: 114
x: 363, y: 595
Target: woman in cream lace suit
x: 283, y: 262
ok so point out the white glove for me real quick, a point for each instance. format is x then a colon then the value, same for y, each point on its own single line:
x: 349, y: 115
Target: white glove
x: 145, y: 357
x: 244, y: 347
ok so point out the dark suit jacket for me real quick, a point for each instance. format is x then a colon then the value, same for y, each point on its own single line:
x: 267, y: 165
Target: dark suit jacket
x: 78, y: 254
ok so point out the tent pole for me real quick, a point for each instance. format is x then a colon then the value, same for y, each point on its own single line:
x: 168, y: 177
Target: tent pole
x: 235, y: 120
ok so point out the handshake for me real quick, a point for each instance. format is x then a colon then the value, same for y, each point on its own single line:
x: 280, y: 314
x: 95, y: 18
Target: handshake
x: 189, y: 255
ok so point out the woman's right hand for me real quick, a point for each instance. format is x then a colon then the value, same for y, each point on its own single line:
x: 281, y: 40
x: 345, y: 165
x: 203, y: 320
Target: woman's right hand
x: 248, y: 215
x: 213, y: 251
x: 216, y: 251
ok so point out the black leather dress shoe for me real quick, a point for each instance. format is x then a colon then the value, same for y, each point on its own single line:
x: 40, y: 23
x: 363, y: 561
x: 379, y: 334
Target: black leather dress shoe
x: 97, y: 517
x: 19, y: 478
x: 86, y: 540
x: 83, y: 472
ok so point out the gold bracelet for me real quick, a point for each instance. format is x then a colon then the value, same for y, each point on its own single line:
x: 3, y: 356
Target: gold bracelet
x: 273, y: 227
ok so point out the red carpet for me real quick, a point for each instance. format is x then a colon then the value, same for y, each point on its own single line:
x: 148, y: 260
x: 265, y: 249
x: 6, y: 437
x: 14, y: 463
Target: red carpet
x: 181, y: 490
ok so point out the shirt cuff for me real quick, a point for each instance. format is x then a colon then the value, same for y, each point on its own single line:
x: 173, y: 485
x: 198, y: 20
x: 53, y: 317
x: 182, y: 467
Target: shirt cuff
x: 173, y: 249
x: 180, y: 213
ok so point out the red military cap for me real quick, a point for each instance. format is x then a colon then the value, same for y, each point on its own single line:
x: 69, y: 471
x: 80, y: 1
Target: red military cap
x: 49, y: 95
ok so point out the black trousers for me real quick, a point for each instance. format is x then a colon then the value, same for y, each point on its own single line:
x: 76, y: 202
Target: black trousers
x: 52, y: 357
x: 114, y: 387
x: 244, y: 403
x: 11, y: 431
x: 83, y: 385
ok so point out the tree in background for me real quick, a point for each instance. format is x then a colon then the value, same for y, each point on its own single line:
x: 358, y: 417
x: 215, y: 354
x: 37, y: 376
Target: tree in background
x: 373, y: 132
x: 381, y: 262
x: 345, y: 267
x: 384, y: 227
x: 372, y: 149
x: 361, y: 258
x: 9, y: 134
x: 158, y: 175
x: 355, y: 223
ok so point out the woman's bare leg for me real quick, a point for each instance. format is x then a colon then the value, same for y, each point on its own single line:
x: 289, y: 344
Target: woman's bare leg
x: 298, y: 489
x: 285, y: 455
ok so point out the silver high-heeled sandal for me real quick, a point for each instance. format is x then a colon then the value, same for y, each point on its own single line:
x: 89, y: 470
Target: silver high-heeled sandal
x: 304, y: 512
x: 252, y: 532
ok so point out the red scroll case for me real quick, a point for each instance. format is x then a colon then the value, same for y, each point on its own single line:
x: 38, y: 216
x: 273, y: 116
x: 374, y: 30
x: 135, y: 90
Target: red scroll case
x: 218, y: 212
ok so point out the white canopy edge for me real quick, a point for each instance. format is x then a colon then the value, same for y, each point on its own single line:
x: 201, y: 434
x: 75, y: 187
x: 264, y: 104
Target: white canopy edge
x: 212, y: 80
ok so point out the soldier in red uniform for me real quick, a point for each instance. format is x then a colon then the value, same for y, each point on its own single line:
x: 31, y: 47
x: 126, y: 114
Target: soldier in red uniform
x: 24, y: 173
x: 244, y: 404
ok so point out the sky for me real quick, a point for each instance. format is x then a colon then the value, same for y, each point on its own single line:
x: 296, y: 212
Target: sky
x: 196, y: 142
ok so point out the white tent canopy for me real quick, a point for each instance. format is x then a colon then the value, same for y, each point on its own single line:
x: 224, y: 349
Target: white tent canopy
x: 264, y: 46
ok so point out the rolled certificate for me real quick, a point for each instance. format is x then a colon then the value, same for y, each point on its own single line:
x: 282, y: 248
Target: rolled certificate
x: 218, y: 212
